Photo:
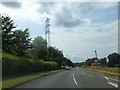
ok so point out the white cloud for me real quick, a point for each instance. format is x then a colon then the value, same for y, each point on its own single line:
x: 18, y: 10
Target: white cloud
x: 112, y: 27
x: 83, y: 41
x: 78, y: 41
x: 88, y: 21
x: 27, y: 13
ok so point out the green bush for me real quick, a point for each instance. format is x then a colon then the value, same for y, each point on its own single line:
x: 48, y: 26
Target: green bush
x: 13, y: 65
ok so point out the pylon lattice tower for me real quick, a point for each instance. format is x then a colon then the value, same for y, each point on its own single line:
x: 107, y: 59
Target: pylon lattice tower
x: 47, y: 32
x: 95, y: 53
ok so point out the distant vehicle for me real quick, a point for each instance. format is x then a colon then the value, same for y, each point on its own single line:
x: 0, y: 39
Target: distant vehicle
x: 66, y: 67
x: 63, y: 67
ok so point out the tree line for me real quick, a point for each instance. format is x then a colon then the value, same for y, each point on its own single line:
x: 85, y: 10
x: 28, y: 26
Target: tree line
x: 22, y: 54
x: 112, y: 60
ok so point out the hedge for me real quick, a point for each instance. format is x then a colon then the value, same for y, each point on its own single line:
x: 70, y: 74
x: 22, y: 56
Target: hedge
x: 13, y: 65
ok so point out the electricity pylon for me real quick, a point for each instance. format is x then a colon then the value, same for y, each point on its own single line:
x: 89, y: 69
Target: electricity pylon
x: 47, y: 32
x: 95, y: 53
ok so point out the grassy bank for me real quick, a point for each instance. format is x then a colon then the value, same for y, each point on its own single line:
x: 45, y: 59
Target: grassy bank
x: 13, y: 81
x: 106, y: 70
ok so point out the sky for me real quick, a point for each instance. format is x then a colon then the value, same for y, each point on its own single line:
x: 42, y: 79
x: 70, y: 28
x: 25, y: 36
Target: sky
x: 77, y: 28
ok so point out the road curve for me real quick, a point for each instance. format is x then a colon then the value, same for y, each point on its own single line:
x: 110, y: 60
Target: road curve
x: 74, y: 78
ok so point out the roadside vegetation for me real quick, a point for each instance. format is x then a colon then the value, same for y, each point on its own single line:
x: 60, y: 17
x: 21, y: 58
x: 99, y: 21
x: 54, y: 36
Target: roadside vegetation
x: 14, y: 65
x: 22, y: 54
x: 113, y: 71
x: 110, y: 66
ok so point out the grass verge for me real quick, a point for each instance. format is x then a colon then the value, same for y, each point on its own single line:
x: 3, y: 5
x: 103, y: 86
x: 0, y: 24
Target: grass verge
x: 106, y: 70
x: 21, y: 79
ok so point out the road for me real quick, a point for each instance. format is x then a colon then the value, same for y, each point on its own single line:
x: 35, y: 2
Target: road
x: 74, y: 78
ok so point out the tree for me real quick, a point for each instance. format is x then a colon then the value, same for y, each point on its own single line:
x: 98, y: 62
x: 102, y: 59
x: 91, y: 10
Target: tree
x: 40, y: 51
x: 114, y: 59
x: 21, y: 42
x: 39, y: 48
x: 7, y: 33
x: 68, y: 61
x: 103, y: 61
x: 89, y: 61
x: 56, y: 55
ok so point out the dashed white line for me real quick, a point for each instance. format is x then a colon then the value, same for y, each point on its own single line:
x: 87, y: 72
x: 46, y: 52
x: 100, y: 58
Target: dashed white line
x: 74, y: 79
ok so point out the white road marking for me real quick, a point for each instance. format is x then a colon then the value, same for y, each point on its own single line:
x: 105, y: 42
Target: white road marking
x: 107, y: 78
x: 114, y: 79
x: 74, y: 79
x: 113, y: 84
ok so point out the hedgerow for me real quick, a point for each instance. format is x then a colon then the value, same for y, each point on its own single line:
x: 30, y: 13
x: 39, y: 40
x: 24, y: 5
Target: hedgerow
x: 13, y: 65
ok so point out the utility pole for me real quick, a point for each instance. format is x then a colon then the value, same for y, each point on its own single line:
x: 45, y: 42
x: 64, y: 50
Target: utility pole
x: 47, y: 32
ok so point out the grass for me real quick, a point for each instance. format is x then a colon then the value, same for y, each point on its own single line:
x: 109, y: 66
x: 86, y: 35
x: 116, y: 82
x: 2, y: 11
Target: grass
x: 9, y: 56
x: 0, y: 84
x: 8, y: 83
x: 106, y: 70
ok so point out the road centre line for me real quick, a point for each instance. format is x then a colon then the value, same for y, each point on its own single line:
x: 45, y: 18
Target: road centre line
x: 74, y: 79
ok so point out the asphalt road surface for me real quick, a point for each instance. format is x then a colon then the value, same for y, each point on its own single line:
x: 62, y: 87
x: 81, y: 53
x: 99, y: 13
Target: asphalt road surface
x: 74, y: 78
